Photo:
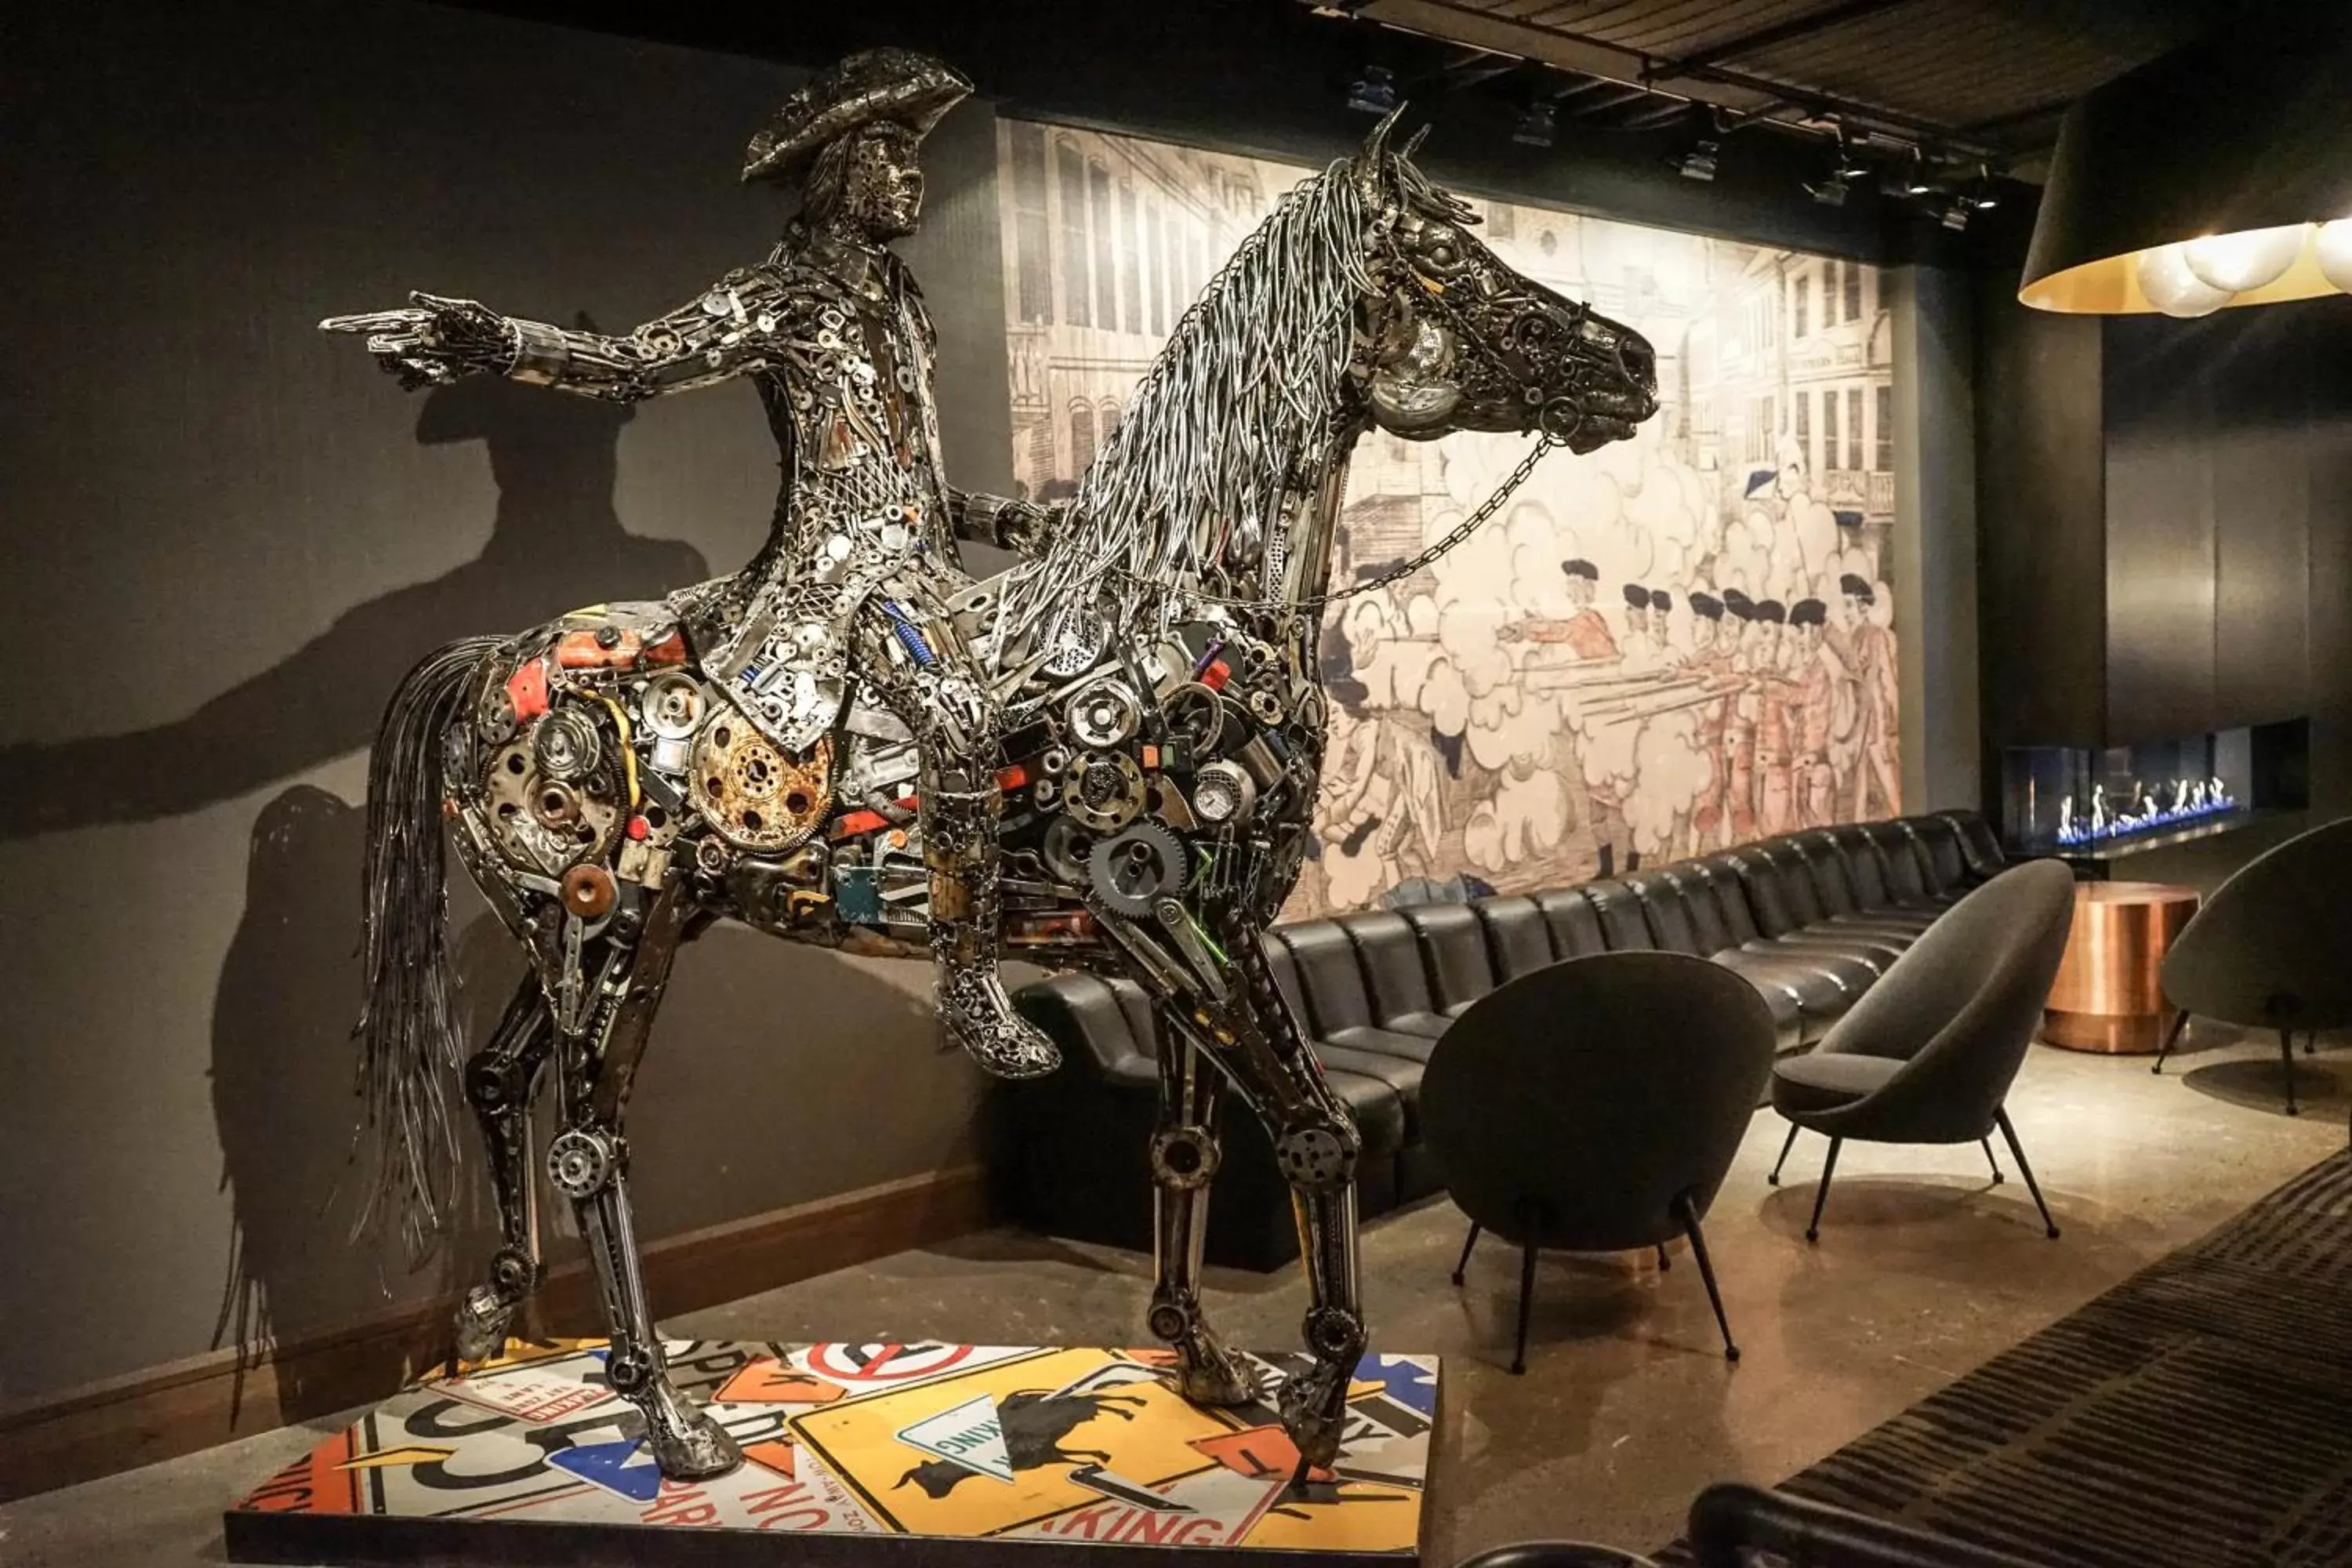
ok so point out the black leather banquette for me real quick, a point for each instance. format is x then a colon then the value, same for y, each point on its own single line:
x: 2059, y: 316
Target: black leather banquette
x: 1809, y: 919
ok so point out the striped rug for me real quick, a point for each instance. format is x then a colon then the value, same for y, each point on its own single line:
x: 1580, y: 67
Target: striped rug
x: 2199, y: 1413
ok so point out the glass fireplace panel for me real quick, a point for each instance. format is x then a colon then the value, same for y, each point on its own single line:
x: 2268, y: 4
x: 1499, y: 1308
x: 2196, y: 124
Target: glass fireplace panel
x: 2064, y: 798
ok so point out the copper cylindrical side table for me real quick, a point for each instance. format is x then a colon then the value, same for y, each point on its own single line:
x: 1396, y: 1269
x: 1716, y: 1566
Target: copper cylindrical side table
x: 2107, y: 995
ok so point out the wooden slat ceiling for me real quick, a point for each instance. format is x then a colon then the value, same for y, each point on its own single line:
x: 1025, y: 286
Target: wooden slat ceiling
x: 1976, y: 77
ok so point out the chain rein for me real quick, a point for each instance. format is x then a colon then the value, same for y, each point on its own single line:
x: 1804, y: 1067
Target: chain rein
x: 1454, y: 536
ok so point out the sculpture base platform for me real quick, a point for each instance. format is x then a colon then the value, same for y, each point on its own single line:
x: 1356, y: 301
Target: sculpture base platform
x: 890, y: 1454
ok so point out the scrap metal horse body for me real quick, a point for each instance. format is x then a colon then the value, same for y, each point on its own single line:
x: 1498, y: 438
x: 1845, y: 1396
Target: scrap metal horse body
x: 1161, y: 759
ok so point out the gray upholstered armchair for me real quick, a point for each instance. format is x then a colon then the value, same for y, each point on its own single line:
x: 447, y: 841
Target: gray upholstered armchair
x: 2272, y: 948
x: 1928, y: 1053
x: 1594, y: 1106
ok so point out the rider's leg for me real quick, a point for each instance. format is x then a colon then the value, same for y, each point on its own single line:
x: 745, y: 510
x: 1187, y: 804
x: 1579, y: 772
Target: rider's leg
x: 957, y: 724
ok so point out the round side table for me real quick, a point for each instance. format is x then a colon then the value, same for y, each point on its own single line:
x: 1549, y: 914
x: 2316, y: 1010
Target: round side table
x: 2107, y: 995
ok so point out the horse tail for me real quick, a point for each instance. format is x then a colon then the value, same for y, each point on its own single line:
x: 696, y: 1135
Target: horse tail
x: 408, y: 1031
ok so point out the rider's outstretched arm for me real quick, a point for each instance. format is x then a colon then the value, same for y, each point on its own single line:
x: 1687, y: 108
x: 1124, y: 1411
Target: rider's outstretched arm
x: 725, y: 331
x: 729, y: 328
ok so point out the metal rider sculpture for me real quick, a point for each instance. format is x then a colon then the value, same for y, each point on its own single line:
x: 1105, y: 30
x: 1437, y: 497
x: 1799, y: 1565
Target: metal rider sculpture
x: 1144, y: 699
x: 832, y: 329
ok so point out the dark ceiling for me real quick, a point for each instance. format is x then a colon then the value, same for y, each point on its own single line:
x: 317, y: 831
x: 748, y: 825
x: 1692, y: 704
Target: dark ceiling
x: 1974, y: 80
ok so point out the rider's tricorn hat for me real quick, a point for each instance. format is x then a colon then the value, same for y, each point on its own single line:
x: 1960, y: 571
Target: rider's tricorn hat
x: 894, y: 87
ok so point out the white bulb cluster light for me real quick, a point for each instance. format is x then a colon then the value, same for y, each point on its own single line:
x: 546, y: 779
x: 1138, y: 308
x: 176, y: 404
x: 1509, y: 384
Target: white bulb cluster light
x: 2332, y: 247
x: 2197, y: 277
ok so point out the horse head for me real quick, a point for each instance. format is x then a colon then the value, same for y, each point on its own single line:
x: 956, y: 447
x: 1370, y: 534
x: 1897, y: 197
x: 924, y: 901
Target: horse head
x: 1455, y: 340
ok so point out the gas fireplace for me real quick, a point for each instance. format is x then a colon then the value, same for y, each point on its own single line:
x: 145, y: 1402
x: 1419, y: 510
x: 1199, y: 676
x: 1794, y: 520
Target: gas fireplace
x: 2080, y: 800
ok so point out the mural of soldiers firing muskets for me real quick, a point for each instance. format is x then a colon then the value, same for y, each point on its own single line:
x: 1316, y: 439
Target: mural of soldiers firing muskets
x: 1682, y: 643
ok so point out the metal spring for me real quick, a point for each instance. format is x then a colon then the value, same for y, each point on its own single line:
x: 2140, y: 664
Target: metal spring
x: 911, y: 638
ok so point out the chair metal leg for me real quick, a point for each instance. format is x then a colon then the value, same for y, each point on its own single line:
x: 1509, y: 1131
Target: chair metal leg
x: 2171, y: 1039
x: 1997, y: 1177
x: 2018, y: 1154
x: 2287, y: 1054
x: 1527, y: 1296
x: 2310, y: 1042
x: 1468, y: 1242
x: 1664, y: 1263
x: 1689, y: 1215
x: 1813, y: 1230
x: 1788, y: 1144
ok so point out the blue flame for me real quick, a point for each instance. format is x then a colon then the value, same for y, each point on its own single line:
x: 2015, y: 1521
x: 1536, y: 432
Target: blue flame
x: 2192, y: 800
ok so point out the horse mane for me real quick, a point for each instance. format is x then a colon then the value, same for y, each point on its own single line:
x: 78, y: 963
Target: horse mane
x: 1246, y: 383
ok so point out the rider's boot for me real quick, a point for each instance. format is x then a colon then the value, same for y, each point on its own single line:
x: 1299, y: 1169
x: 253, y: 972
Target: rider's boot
x: 959, y: 848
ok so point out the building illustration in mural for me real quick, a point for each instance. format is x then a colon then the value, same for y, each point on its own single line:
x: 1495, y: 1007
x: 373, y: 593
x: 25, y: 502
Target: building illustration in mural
x: 1680, y: 642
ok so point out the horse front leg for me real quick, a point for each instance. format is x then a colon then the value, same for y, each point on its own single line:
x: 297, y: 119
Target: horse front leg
x: 588, y: 1162
x: 1226, y: 999
x: 1185, y: 1152
x: 501, y: 1080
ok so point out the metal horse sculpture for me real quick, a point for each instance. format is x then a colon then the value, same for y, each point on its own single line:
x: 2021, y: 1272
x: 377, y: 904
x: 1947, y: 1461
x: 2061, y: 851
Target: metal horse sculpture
x: 1155, y: 665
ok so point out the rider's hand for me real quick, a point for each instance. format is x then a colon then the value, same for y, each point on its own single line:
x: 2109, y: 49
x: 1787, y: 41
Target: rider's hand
x: 435, y: 341
x: 464, y: 329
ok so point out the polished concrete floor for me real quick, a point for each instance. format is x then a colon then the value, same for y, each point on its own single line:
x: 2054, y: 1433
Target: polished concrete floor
x: 1628, y: 1408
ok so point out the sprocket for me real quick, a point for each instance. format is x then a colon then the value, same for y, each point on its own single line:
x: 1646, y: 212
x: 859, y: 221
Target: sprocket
x: 1131, y: 869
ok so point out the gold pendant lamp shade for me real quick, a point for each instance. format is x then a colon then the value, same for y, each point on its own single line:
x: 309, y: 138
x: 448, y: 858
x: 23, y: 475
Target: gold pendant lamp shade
x: 2219, y: 174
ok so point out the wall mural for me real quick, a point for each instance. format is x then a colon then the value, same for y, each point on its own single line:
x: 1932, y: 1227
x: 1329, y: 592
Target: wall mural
x: 1679, y: 642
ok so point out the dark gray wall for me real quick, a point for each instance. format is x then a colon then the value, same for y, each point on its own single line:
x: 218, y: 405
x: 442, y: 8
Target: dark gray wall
x: 229, y: 535
x: 2217, y: 430
x: 2041, y: 526
x: 1934, y: 311
x: 2166, y: 526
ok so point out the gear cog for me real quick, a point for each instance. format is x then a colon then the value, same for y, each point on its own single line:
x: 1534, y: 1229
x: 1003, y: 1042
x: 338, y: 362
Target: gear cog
x: 1131, y: 869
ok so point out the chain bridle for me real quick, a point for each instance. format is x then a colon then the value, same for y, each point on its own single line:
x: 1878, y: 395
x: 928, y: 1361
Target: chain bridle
x: 1550, y: 432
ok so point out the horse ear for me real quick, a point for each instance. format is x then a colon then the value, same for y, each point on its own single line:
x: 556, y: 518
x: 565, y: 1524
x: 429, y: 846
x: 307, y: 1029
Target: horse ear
x: 1413, y: 142
x: 1370, y: 162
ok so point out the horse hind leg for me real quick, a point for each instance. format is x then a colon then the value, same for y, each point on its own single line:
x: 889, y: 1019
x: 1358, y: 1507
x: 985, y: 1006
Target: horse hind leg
x: 1184, y: 1157
x: 500, y: 1082
x: 588, y: 1162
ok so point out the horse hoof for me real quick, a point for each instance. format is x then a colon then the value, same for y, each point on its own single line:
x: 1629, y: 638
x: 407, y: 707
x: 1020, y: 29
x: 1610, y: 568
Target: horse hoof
x: 686, y: 1443
x: 1311, y: 1416
x: 483, y: 1318
x: 1219, y: 1380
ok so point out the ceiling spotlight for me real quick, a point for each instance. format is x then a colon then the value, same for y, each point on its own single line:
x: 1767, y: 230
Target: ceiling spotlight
x: 1699, y: 164
x: 1374, y: 91
x: 1849, y: 165
x: 1848, y: 168
x: 1912, y: 179
x: 1538, y: 123
x: 1956, y: 216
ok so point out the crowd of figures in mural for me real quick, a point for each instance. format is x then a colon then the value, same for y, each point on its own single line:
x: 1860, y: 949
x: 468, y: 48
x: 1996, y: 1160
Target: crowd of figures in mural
x: 1682, y: 642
